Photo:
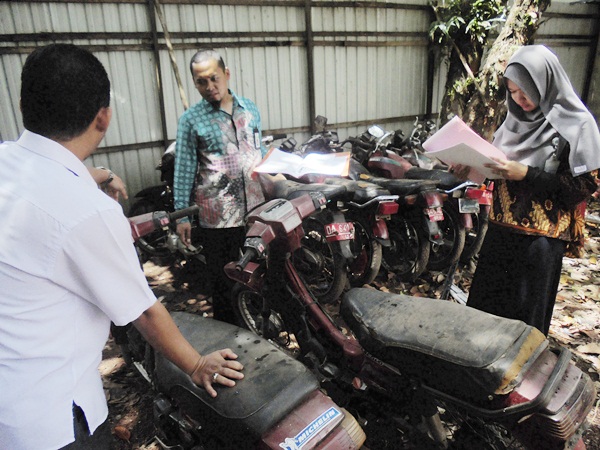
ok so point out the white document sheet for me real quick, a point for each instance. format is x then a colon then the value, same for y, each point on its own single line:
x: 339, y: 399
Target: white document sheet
x: 456, y: 143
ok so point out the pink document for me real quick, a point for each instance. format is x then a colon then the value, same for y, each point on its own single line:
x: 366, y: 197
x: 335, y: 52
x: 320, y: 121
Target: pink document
x: 456, y: 143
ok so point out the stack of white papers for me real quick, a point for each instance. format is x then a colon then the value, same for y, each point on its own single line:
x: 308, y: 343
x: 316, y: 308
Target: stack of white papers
x: 455, y: 143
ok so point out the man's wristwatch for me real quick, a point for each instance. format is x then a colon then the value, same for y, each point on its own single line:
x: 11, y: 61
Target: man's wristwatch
x: 111, y: 176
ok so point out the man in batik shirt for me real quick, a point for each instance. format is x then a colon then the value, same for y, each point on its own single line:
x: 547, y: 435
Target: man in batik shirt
x: 218, y: 146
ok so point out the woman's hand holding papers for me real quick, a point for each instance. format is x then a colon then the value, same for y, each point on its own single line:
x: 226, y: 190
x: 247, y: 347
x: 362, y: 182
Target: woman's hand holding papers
x: 509, y: 170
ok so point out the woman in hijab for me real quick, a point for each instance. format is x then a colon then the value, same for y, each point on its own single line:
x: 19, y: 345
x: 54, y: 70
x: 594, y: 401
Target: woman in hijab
x: 552, y: 148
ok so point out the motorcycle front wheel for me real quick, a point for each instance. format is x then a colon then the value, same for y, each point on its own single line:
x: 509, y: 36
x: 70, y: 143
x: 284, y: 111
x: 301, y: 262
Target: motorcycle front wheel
x: 248, y: 305
x: 408, y: 253
x: 321, y: 267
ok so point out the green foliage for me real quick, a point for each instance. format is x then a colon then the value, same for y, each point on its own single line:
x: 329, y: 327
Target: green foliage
x: 459, y: 20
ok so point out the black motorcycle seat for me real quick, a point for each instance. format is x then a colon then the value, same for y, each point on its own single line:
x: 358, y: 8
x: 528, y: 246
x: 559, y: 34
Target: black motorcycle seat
x: 358, y: 191
x: 452, y: 348
x: 445, y: 179
x: 404, y: 186
x: 290, y: 190
x: 273, y: 385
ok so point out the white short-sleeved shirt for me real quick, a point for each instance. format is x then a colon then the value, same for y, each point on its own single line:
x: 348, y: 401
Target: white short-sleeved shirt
x: 67, y: 268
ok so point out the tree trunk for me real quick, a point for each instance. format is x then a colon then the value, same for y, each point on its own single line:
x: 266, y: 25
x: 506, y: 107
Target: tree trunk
x: 481, y: 104
x: 458, y: 89
x: 485, y: 109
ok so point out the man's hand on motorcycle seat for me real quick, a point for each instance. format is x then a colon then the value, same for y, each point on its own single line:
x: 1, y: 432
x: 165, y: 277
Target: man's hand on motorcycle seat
x: 217, y: 367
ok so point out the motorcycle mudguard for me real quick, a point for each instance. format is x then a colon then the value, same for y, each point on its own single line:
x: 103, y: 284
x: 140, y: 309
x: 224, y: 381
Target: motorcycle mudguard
x: 273, y: 385
x: 381, y: 232
x: 452, y: 348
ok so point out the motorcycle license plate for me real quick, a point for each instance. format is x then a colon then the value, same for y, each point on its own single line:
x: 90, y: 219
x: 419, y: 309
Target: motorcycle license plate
x: 435, y: 214
x: 339, y: 231
x: 468, y: 205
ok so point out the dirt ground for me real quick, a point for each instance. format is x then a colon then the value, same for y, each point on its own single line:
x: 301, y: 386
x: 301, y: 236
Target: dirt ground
x: 576, y: 325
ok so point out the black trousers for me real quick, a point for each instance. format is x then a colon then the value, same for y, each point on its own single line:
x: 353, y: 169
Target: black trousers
x: 221, y: 246
x: 517, y: 276
x: 101, y: 439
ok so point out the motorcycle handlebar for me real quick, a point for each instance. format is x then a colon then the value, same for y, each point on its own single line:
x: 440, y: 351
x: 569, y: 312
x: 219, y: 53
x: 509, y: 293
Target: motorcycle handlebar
x: 192, y: 210
x: 267, y: 140
x: 249, y: 255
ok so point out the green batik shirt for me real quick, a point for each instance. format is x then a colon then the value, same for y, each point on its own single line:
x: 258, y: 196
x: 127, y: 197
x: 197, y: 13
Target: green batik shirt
x: 215, y: 156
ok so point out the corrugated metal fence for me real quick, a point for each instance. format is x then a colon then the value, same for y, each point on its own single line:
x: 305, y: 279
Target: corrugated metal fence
x: 354, y: 62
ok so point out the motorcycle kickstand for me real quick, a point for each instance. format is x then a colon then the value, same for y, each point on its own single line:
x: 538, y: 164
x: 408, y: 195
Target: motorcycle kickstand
x: 449, y: 288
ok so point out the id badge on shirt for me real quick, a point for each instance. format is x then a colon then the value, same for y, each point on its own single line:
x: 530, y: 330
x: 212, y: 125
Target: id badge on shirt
x: 256, y: 139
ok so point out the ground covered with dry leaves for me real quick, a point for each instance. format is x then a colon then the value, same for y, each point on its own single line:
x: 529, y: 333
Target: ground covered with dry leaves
x: 576, y: 325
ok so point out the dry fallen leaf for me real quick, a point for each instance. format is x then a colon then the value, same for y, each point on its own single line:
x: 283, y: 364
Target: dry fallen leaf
x: 591, y: 348
x: 122, y: 433
x: 580, y: 274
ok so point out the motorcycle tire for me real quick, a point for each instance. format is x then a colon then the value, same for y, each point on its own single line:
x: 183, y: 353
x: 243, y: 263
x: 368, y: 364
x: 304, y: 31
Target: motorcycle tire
x: 364, y: 268
x: 153, y: 244
x: 444, y: 255
x: 322, y: 268
x: 474, y: 237
x: 408, y: 254
x: 247, y: 307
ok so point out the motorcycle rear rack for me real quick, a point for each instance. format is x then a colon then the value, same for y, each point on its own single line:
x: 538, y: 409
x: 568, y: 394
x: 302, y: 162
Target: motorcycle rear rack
x: 522, y: 409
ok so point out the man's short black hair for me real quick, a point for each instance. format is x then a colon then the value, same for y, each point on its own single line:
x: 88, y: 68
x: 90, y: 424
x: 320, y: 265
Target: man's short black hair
x: 62, y: 89
x: 205, y: 54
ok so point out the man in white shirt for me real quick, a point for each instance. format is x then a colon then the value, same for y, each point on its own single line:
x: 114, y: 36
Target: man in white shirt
x: 68, y: 266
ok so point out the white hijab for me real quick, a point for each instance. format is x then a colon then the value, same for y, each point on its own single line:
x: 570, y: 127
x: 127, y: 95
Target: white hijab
x: 527, y: 136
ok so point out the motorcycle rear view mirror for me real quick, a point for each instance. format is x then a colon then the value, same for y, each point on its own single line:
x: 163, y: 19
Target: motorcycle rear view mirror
x: 320, y: 124
x: 376, y: 131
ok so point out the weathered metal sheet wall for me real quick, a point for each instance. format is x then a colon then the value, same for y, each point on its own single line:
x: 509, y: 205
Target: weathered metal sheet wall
x: 10, y: 117
x: 567, y: 31
x: 370, y: 77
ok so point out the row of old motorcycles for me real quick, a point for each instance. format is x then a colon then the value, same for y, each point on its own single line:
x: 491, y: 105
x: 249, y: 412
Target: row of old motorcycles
x: 330, y: 364
x: 405, y: 212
